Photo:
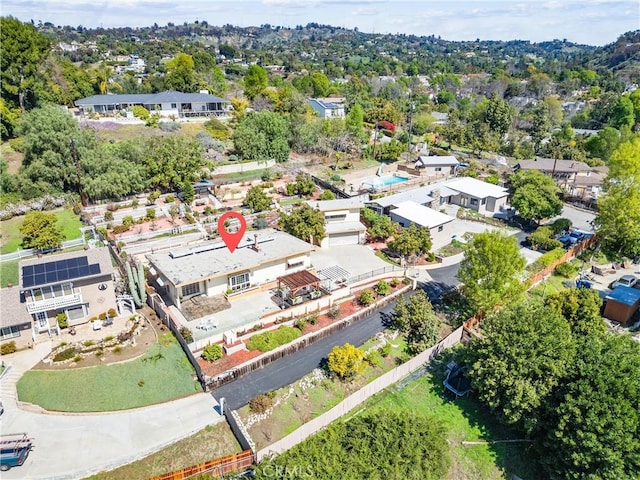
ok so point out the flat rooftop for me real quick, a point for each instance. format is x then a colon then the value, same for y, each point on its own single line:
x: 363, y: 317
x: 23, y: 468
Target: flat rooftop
x: 339, y: 204
x: 421, y: 215
x: 213, y: 259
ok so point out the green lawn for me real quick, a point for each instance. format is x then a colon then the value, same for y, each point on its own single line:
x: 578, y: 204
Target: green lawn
x: 9, y: 273
x: 465, y: 420
x: 12, y: 238
x: 239, y: 176
x: 162, y: 374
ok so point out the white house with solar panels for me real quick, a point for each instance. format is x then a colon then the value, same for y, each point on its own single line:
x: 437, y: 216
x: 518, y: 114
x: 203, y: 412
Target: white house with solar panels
x: 211, y: 269
x: 166, y: 104
x: 79, y: 284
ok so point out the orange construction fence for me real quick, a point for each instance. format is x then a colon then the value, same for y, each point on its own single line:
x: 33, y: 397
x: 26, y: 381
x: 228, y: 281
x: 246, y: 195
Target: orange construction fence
x: 219, y: 467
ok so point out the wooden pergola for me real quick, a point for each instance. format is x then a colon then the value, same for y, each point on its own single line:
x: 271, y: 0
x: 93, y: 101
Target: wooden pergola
x: 293, y: 283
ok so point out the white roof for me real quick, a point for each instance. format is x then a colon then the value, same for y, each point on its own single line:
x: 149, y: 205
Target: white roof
x: 476, y: 188
x: 418, y: 195
x: 434, y: 160
x: 213, y: 259
x: 339, y: 204
x: 421, y: 215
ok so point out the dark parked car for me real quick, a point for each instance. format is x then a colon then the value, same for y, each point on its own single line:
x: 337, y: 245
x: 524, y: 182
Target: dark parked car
x: 574, y: 237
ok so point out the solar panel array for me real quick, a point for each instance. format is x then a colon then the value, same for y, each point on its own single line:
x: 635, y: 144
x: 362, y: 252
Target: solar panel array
x: 57, y: 271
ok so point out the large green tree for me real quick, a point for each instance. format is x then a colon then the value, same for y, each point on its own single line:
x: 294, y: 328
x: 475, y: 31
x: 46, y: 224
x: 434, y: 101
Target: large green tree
x: 593, y: 425
x: 40, y: 230
x: 171, y: 161
x: 525, y: 351
x: 417, y: 320
x: 381, y: 444
x: 581, y: 308
x: 498, y: 115
x: 305, y: 222
x: 181, y: 74
x: 262, y: 136
x: 491, y: 270
x: 618, y: 219
x: 413, y: 240
x: 255, y: 81
x: 23, y: 51
x: 535, y: 195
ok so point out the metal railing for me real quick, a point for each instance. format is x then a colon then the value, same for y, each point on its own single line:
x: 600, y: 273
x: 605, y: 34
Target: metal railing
x: 29, y: 252
x: 54, y: 303
x: 373, y: 273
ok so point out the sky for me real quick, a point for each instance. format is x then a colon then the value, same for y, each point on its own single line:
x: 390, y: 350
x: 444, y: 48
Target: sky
x: 591, y: 22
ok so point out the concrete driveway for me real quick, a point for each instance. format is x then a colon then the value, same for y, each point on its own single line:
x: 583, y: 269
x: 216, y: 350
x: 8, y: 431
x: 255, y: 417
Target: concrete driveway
x: 581, y: 218
x: 71, y: 446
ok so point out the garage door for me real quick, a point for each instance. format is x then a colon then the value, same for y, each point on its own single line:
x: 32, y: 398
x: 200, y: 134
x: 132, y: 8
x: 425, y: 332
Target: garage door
x: 338, y: 239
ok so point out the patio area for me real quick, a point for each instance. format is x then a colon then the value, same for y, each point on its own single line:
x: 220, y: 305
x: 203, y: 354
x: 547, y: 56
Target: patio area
x: 297, y: 288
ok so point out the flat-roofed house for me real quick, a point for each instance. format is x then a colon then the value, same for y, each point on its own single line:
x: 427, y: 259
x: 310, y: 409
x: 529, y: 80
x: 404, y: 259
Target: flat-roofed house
x: 211, y: 269
x: 436, y: 166
x: 440, y: 225
x: 328, y: 108
x: 477, y: 195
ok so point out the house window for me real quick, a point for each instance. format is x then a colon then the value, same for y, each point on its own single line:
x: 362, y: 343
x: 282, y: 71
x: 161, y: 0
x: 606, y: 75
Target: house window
x: 174, y: 105
x: 239, y: 282
x: 441, y: 228
x: 191, y: 289
x: 9, y: 332
x: 484, y: 201
x: 473, y: 201
x: 296, y: 264
x: 43, y: 321
x: 438, y: 169
x: 76, y: 313
x: 335, y: 218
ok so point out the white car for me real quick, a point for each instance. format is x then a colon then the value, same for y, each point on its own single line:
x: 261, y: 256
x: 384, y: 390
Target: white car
x: 625, y: 281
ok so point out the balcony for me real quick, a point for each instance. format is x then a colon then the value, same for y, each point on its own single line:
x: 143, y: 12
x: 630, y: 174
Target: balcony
x: 55, y: 303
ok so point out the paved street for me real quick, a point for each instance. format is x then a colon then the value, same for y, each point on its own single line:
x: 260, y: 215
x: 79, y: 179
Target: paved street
x: 291, y: 368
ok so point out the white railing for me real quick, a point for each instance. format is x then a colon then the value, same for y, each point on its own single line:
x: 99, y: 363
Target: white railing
x: 32, y: 251
x: 54, y: 303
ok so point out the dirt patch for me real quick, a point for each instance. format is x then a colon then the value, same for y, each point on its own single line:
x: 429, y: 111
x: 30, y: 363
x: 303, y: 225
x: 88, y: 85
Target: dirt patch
x: 147, y: 338
x: 14, y: 160
x: 202, y: 306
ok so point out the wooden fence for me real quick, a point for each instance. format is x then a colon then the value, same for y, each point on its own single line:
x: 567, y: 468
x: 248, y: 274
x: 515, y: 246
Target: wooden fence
x: 569, y: 254
x: 218, y: 467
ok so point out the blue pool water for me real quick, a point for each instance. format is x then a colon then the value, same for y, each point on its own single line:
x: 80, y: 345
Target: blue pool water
x: 379, y: 182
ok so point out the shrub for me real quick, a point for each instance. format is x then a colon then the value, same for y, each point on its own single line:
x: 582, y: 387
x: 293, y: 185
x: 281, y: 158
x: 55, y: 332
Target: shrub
x: 291, y: 189
x: 170, y: 126
x: 334, y: 311
x: 169, y: 199
x: 108, y: 338
x: 567, y: 270
x: 77, y: 358
x: 103, y: 316
x: 394, y: 282
x: 118, y: 229
x: 108, y: 216
x: 151, y: 213
x: 382, y: 288
x: 99, y: 352
x: 327, y: 195
x: 65, y: 354
x: 8, y: 347
x: 186, y: 334
x: 346, y: 361
x: 212, y: 352
x: 262, y: 403
x: 269, y: 340
x: 561, y: 225
x: 112, y: 312
x: 300, y: 324
x: 542, y: 238
x: 312, y: 318
x: 386, y: 350
x: 89, y: 343
x: 373, y: 358
x: 548, y: 258
x: 266, y: 175
x: 117, y: 349
x: 62, y: 320
x: 366, y: 297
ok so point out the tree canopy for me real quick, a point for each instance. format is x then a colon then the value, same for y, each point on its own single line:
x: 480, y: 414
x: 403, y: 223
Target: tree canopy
x: 255, y: 81
x: 417, y: 320
x: 535, y: 195
x: 413, y: 240
x: 346, y: 361
x: 524, y: 353
x: 256, y: 199
x: 40, y: 231
x: 491, y: 269
x: 367, y: 447
x: 262, y: 136
x: 304, y: 222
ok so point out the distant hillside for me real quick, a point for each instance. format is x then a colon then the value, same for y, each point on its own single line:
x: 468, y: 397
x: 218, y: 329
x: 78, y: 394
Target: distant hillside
x: 622, y: 56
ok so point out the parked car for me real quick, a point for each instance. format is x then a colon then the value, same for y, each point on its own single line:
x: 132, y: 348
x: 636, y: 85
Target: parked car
x: 625, y: 281
x: 14, y: 450
x: 574, y: 237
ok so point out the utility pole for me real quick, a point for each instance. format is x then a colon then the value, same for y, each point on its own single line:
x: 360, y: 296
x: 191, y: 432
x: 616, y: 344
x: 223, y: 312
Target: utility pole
x: 76, y: 160
x: 411, y: 107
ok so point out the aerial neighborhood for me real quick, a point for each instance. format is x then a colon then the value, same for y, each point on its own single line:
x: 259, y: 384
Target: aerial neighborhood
x: 315, y: 252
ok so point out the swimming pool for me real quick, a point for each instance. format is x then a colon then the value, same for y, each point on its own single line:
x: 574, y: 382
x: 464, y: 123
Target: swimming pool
x: 380, y: 182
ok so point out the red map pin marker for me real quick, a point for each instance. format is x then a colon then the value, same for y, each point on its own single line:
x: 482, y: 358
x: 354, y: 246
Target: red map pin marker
x: 231, y: 240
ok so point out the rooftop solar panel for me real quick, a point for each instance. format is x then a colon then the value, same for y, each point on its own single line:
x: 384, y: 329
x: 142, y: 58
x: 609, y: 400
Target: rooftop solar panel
x: 58, y: 271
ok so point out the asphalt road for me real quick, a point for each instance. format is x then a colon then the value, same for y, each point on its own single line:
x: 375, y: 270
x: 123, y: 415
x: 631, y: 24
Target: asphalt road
x: 293, y: 367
